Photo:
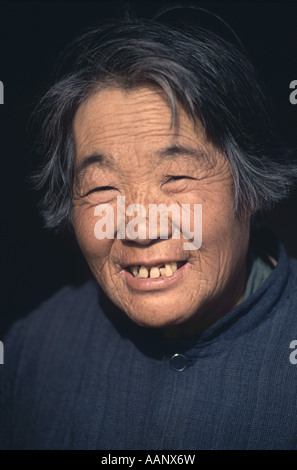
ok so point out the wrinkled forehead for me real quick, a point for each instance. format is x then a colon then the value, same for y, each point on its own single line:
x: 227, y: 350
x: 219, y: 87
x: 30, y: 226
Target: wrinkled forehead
x: 140, y: 121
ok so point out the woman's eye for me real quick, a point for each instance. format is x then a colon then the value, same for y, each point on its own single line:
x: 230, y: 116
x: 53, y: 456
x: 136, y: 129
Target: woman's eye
x: 177, y: 183
x: 176, y: 178
x: 101, y: 188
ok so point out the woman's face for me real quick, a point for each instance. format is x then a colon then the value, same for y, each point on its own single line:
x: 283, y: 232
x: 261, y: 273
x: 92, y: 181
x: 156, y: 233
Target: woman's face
x: 135, y: 153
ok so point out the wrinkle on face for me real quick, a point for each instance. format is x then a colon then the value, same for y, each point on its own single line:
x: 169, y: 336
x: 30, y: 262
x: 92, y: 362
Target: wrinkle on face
x: 133, y: 129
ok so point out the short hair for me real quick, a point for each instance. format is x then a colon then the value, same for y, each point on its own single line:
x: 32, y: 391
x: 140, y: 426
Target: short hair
x: 208, y: 76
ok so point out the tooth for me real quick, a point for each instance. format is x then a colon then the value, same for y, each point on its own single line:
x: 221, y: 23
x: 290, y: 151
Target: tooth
x: 155, y: 273
x: 162, y: 271
x: 134, y: 270
x: 143, y: 272
x: 168, y: 270
x: 173, y: 266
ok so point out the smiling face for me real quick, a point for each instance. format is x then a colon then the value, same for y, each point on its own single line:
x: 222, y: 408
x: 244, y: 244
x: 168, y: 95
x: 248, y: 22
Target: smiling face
x: 125, y: 146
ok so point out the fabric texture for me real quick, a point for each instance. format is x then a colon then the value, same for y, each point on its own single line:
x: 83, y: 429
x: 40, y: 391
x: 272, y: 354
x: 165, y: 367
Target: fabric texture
x: 79, y: 376
x: 259, y: 270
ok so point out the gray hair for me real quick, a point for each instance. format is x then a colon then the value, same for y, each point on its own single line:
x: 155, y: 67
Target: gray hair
x: 212, y: 80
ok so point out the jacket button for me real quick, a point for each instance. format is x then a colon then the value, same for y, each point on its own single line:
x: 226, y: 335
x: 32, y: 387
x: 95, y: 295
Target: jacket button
x: 178, y: 362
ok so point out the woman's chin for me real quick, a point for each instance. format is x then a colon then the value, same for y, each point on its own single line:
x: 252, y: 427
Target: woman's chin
x: 159, y: 317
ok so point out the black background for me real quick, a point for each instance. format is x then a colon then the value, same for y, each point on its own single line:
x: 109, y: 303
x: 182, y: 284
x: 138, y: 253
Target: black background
x: 36, y: 262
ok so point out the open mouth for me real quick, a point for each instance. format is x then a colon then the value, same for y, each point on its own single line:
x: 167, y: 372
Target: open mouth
x: 155, y: 272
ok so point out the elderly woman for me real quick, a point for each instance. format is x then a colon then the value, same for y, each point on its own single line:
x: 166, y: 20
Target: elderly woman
x: 181, y: 340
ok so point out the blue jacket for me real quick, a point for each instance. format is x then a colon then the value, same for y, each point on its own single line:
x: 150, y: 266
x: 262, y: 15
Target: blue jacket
x: 77, y: 375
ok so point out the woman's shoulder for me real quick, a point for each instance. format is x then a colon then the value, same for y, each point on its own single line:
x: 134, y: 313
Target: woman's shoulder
x: 60, y: 316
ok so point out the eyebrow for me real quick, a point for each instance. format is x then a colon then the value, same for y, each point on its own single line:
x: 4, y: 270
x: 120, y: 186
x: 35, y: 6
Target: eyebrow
x: 107, y: 161
x: 99, y: 159
x: 177, y: 150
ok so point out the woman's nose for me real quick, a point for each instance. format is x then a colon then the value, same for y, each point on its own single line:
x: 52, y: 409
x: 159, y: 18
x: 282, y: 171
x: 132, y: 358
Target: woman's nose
x: 143, y: 228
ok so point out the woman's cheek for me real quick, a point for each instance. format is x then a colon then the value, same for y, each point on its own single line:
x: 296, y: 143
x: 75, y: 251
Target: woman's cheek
x: 84, y: 227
